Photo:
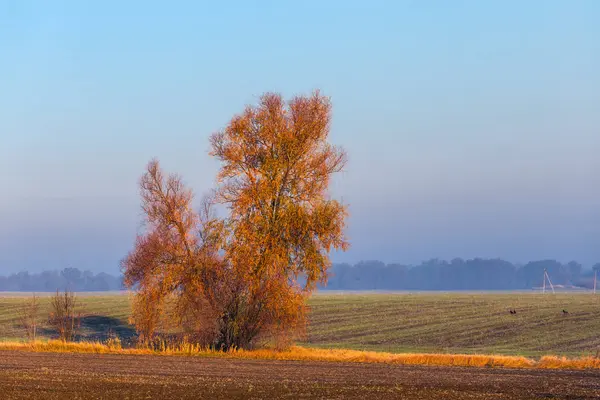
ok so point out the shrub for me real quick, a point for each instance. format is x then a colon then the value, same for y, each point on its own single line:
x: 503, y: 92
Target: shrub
x: 62, y: 317
x: 28, y: 316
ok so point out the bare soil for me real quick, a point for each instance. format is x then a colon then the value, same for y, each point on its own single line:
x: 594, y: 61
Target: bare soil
x: 25, y: 375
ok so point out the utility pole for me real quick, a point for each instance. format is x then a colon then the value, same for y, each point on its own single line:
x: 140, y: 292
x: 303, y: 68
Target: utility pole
x: 544, y: 284
x: 550, y: 282
x: 546, y: 276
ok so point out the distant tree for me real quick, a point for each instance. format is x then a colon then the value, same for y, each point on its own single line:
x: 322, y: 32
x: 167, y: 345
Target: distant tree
x: 458, y: 274
x: 532, y: 273
x: 489, y: 274
x: 368, y: 275
x: 574, y: 269
x: 50, y: 281
x: 104, y: 281
x: 397, y: 276
x: 73, y: 278
x: 23, y: 281
x: 87, y: 279
x: 337, y: 277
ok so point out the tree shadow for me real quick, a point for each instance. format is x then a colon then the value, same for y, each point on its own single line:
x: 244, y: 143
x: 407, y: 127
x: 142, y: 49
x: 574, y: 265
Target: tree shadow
x: 101, y: 327
x: 96, y: 328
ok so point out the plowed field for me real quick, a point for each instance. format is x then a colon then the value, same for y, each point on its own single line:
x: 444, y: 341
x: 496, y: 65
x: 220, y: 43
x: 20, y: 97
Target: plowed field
x: 25, y: 375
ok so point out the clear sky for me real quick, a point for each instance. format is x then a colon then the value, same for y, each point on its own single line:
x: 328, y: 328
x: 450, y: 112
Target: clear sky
x: 472, y: 127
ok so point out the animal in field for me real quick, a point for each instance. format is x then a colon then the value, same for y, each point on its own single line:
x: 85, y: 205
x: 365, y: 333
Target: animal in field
x: 565, y: 312
x: 512, y: 311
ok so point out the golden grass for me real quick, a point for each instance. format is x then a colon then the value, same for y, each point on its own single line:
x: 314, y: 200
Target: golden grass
x: 554, y: 362
x: 57, y: 346
x: 297, y: 353
x: 342, y: 355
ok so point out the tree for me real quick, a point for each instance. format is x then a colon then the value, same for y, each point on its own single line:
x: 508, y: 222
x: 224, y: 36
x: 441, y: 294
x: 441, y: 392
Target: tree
x: 276, y: 169
x: 574, y: 269
x: 532, y: 273
x: 28, y: 315
x: 62, y: 317
x: 73, y: 277
x: 176, y: 257
x: 247, y: 275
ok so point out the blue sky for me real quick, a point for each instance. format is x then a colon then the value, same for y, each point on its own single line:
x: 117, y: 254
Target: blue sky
x: 473, y: 128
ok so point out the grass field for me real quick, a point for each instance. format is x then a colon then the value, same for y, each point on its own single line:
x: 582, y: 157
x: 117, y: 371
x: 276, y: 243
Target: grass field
x: 458, y: 323
x: 430, y: 323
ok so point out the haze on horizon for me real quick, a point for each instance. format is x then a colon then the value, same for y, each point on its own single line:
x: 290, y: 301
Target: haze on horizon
x: 472, y: 128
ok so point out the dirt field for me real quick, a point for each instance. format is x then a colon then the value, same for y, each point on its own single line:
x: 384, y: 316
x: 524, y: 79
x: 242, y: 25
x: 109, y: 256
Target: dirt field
x: 25, y: 375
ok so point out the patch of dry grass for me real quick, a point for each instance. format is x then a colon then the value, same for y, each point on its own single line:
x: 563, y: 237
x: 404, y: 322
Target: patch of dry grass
x: 331, y: 355
x: 343, y: 355
x: 554, y: 362
x: 57, y: 346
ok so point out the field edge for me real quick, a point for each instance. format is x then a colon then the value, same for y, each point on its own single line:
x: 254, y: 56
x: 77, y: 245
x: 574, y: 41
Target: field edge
x: 298, y: 353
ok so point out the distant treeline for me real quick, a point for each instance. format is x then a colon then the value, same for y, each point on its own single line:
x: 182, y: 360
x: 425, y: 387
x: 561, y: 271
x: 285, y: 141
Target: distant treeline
x: 67, y: 279
x: 458, y: 274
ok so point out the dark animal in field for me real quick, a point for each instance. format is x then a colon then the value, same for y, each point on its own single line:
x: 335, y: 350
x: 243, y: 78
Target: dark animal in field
x: 565, y: 312
x: 512, y: 311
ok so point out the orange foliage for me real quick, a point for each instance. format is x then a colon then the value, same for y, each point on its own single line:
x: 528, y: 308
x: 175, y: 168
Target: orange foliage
x: 247, y: 275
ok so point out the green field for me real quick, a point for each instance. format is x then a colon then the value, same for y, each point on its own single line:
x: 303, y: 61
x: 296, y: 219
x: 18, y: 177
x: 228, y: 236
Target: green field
x: 452, y: 323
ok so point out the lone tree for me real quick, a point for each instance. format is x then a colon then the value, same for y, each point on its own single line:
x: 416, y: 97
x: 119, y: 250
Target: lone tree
x: 247, y: 275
